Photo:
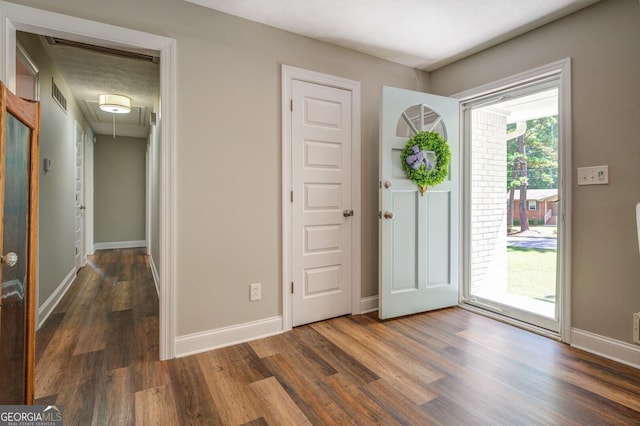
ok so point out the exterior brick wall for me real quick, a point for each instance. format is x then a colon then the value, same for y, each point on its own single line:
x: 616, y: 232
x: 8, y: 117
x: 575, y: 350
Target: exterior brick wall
x: 488, y: 202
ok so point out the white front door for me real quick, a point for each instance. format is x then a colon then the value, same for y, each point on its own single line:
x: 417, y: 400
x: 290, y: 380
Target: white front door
x: 321, y: 201
x: 79, y: 198
x: 418, y: 235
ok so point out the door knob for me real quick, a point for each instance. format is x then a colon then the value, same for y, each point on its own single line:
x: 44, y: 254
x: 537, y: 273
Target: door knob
x: 387, y: 184
x: 82, y: 207
x: 388, y: 215
x: 347, y: 213
x: 9, y: 259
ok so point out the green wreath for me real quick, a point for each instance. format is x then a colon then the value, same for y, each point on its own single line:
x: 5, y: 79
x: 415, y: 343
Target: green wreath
x: 417, y: 165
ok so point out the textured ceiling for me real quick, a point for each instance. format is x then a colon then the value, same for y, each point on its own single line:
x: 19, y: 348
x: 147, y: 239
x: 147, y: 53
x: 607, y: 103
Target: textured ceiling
x: 90, y: 74
x: 424, y: 34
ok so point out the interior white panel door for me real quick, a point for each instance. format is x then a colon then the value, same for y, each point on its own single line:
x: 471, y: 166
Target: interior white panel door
x: 321, y: 170
x: 418, y: 235
x: 79, y: 196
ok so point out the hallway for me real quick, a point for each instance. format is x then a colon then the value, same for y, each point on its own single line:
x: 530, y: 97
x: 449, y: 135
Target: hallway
x: 100, y: 344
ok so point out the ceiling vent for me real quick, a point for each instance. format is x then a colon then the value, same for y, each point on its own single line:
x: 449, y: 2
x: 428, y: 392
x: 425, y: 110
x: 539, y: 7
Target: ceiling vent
x: 101, y: 49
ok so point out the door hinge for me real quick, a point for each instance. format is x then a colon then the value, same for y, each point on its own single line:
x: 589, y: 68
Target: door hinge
x: 291, y: 287
x: 380, y: 184
x: 291, y: 104
x: 291, y: 193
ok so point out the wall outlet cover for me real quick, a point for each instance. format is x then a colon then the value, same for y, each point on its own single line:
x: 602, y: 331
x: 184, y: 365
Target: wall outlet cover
x: 255, y: 292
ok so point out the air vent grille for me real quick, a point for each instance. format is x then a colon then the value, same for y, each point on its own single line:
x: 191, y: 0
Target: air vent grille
x: 58, y: 96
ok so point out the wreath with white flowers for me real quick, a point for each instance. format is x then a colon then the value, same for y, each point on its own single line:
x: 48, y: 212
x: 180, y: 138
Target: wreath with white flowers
x: 425, y: 159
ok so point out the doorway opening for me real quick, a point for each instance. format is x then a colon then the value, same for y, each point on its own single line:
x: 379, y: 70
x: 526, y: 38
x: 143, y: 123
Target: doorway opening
x: 21, y: 18
x: 514, y: 216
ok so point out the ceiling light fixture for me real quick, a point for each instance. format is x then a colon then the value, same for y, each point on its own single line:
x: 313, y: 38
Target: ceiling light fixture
x: 116, y: 104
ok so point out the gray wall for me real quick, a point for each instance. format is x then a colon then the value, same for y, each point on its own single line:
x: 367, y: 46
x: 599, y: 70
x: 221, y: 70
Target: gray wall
x: 602, y: 41
x: 119, y: 189
x: 228, y: 68
x: 228, y: 100
x: 56, y: 244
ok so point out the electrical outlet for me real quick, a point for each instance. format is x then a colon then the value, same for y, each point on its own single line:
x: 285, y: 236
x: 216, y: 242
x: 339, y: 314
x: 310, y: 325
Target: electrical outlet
x: 636, y: 327
x: 255, y: 292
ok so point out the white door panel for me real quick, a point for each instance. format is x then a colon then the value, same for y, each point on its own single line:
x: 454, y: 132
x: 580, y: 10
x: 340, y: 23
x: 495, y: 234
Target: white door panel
x: 419, y: 243
x: 321, y: 170
x: 79, y: 195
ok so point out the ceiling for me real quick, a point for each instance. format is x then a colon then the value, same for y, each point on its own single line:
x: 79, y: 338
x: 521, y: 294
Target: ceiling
x: 423, y: 34
x: 90, y: 73
x: 530, y: 107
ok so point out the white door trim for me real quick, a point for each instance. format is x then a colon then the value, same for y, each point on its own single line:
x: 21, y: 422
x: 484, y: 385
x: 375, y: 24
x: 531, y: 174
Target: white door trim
x: 288, y: 75
x: 88, y: 195
x: 17, y: 17
x: 147, y: 198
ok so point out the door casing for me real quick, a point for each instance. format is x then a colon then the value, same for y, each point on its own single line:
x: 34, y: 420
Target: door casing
x: 288, y: 75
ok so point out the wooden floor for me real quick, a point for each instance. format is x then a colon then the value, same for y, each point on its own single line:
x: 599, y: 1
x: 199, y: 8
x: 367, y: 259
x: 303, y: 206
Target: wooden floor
x: 97, y: 355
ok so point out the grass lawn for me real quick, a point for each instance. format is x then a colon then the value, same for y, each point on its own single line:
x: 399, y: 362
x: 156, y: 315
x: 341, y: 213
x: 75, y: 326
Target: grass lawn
x: 532, y: 273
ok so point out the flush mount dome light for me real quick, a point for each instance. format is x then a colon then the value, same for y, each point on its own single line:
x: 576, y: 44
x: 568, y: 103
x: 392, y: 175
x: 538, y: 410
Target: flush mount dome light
x: 117, y: 104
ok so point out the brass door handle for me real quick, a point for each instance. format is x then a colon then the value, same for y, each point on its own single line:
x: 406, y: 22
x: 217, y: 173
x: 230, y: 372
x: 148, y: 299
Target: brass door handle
x: 347, y: 213
x: 388, y: 215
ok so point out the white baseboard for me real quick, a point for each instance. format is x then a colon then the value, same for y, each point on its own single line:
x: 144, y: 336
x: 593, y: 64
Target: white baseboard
x: 218, y: 338
x: 154, y: 272
x: 120, y: 244
x: 368, y: 304
x: 52, y: 301
x: 622, y: 352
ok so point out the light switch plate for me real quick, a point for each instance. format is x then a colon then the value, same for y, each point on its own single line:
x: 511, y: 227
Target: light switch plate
x: 596, y: 175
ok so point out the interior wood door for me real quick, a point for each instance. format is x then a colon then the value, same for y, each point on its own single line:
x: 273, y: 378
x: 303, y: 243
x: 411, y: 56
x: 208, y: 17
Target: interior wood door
x: 19, y: 128
x: 321, y: 170
x: 418, y: 235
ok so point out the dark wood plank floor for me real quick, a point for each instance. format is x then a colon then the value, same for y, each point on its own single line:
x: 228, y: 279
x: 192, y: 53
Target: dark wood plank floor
x: 97, y: 355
